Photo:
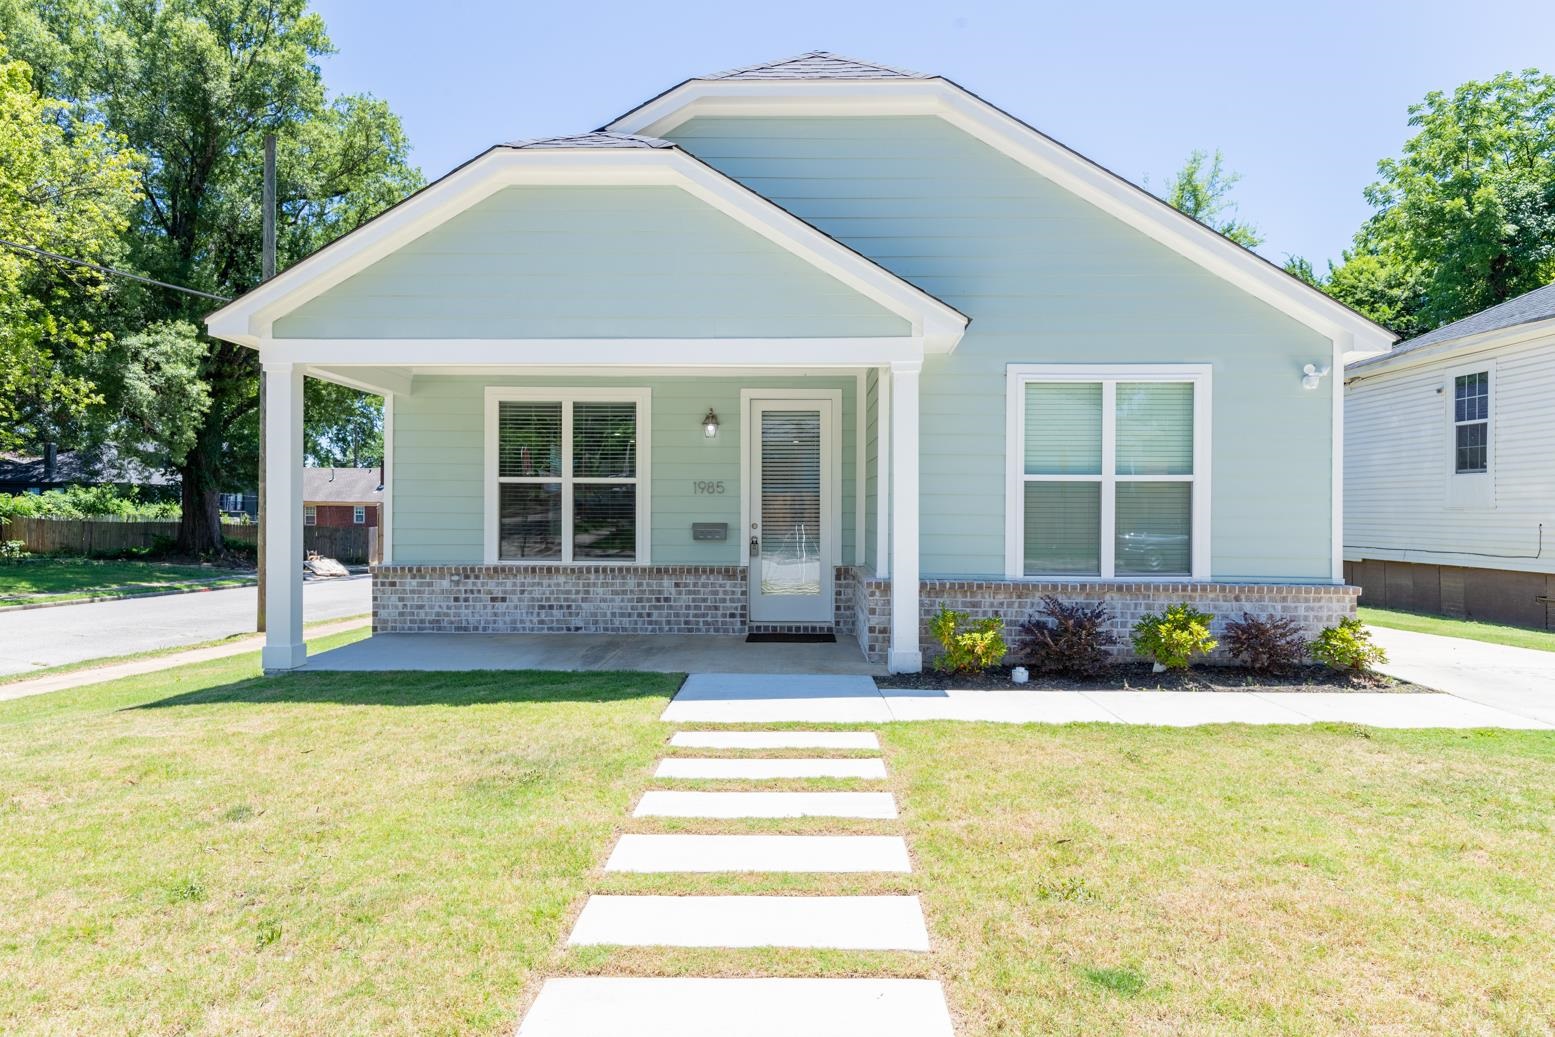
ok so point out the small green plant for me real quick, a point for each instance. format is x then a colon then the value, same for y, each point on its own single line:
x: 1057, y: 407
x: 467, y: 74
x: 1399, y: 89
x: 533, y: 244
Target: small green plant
x: 967, y: 650
x: 267, y: 932
x: 1172, y: 638
x: 12, y: 550
x: 1348, y: 646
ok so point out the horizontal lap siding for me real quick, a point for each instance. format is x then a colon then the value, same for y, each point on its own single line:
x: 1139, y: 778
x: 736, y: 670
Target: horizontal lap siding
x: 590, y: 262
x: 439, y: 469
x: 1047, y: 278
x: 1398, y: 464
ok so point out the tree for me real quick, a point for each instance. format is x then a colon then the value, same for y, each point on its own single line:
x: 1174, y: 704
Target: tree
x: 67, y: 186
x: 1465, y: 217
x: 195, y: 85
x: 1202, y: 189
x: 343, y: 428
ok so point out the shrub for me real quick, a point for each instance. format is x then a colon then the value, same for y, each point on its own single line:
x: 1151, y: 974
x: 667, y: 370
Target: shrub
x: 80, y: 502
x: 1348, y: 646
x: 1270, y: 645
x: 12, y: 550
x: 1073, y: 640
x: 1174, y: 637
x: 968, y: 650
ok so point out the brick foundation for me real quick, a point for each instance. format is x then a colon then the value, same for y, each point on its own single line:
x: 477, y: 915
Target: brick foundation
x: 1313, y: 606
x: 595, y: 599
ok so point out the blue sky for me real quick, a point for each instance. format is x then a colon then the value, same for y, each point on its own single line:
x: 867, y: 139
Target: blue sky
x: 1302, y: 98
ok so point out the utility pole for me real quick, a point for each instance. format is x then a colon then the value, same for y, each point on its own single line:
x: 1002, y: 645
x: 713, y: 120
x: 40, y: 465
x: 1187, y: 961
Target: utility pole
x: 267, y: 204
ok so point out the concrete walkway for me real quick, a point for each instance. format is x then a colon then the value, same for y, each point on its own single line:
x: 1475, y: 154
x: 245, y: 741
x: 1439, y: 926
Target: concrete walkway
x: 721, y: 698
x: 1515, y: 680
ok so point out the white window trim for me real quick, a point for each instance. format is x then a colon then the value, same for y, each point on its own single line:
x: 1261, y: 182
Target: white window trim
x: 568, y: 395
x: 358, y: 515
x: 310, y: 515
x: 1469, y: 491
x: 1018, y: 376
x: 1488, y: 371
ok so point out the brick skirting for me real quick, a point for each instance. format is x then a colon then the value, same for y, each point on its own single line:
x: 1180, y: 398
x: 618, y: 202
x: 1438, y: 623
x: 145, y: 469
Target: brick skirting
x: 596, y: 599
x: 1314, y: 606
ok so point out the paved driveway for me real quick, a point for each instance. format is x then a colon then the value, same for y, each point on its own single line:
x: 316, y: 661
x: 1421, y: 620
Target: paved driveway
x: 1517, y: 680
x: 33, y: 639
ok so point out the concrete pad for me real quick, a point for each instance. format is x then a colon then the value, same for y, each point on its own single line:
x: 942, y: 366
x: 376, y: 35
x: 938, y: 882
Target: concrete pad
x: 1518, y: 680
x: 759, y: 769
x: 730, y: 698
x: 1192, y: 708
x: 785, y: 853
x: 883, y: 923
x: 666, y: 653
x: 610, y: 1006
x: 766, y: 804
x: 775, y: 740
x: 1022, y: 706
x: 1397, y: 710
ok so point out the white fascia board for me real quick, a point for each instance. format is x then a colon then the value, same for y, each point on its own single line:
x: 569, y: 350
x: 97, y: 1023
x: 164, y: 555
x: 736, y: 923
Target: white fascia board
x: 724, y: 353
x: 248, y: 319
x: 1453, y: 349
x: 381, y: 381
x: 1045, y: 156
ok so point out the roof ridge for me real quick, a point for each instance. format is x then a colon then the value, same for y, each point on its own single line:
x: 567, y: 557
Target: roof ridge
x: 590, y: 139
x: 851, y: 68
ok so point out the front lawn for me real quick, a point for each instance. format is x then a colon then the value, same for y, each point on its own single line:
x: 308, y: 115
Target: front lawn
x: 1495, y: 633
x: 30, y: 581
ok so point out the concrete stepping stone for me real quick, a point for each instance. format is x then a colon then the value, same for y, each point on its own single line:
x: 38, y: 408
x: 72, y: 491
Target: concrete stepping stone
x: 768, y: 769
x: 608, y: 1006
x: 775, y: 740
x: 883, y: 923
x: 766, y: 804
x: 786, y: 853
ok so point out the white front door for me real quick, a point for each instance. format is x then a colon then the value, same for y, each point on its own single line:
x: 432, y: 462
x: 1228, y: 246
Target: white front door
x: 792, y: 535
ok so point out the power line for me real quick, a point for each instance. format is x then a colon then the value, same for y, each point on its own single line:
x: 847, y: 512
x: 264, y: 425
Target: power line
x: 44, y: 253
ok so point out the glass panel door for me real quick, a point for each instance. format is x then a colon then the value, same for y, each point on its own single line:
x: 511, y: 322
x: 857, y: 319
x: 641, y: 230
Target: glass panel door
x: 791, y: 560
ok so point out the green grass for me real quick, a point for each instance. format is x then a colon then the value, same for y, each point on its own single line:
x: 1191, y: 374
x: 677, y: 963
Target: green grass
x: 1494, y: 633
x: 31, y: 581
x: 205, y: 851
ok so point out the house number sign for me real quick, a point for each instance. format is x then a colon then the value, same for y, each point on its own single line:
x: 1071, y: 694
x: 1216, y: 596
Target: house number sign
x: 708, y: 487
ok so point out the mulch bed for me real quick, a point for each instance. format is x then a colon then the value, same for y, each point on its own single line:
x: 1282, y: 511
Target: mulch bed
x: 1138, y: 677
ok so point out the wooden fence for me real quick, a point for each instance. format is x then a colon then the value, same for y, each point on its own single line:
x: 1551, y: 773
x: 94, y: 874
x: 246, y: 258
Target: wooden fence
x: 353, y: 545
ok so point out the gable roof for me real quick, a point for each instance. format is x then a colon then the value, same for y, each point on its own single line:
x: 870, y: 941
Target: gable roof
x: 821, y: 83
x: 1528, y: 308
x: 341, y: 485
x: 602, y: 157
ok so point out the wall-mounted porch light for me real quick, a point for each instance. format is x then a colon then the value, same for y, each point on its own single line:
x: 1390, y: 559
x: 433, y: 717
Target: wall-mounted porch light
x: 710, y: 424
x: 1311, y: 375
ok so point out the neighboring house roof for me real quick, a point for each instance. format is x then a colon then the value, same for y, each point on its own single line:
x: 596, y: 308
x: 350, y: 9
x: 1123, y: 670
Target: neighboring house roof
x: 73, y: 467
x: 341, y: 486
x: 1528, y: 308
x: 819, y: 82
x: 817, y: 64
x: 604, y: 157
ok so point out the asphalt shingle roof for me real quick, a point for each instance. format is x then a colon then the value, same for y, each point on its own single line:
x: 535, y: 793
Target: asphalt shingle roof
x: 343, y: 485
x: 1536, y: 305
x: 596, y: 139
x: 817, y: 64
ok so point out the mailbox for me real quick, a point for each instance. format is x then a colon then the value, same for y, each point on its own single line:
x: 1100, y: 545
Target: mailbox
x: 709, y: 531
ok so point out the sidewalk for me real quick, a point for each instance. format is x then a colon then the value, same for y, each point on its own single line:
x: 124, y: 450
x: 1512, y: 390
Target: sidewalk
x: 1517, y: 680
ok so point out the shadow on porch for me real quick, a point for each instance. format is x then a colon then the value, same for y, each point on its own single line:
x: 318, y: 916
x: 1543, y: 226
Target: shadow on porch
x: 665, y: 653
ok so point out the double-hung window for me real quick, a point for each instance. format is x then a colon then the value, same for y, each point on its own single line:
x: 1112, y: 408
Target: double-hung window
x: 566, y: 475
x: 1108, y: 471
x: 358, y: 515
x: 1471, y: 423
x: 310, y: 515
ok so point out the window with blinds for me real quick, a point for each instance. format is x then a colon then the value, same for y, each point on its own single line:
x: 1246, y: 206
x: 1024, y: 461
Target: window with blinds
x: 567, y: 479
x: 1107, y: 478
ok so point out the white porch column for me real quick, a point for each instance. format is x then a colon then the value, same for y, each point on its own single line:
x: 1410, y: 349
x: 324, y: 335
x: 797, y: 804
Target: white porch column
x: 284, y: 648
x: 906, y: 654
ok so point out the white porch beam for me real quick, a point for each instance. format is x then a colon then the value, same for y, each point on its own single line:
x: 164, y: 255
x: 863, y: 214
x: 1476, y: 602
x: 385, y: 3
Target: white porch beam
x: 284, y: 648
x: 906, y: 654
x: 380, y: 381
x: 340, y: 354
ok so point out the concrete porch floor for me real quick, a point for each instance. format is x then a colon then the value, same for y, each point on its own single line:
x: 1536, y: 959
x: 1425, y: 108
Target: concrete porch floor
x: 686, y: 653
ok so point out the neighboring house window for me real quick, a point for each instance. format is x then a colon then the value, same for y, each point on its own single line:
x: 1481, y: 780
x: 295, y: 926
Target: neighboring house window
x: 567, y: 480
x: 1109, y: 471
x: 359, y: 515
x: 1471, y: 423
x: 310, y: 515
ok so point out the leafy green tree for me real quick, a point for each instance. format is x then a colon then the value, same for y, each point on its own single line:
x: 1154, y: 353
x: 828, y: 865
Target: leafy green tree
x: 67, y: 185
x: 1465, y: 217
x: 1202, y: 189
x: 343, y: 427
x: 195, y: 85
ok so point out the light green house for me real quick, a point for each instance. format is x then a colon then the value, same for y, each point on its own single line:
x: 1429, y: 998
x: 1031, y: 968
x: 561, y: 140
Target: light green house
x: 809, y: 347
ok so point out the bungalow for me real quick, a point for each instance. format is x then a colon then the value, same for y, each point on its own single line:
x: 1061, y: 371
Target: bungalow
x: 811, y: 346
x: 342, y: 497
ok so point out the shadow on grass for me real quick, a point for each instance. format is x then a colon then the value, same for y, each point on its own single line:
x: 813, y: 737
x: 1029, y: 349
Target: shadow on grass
x: 443, y: 688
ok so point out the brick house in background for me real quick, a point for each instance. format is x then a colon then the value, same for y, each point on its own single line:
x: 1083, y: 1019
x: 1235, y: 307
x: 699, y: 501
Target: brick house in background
x: 342, y: 496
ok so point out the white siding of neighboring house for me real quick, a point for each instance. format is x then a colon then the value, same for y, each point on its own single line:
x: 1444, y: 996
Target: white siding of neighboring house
x: 1401, y: 502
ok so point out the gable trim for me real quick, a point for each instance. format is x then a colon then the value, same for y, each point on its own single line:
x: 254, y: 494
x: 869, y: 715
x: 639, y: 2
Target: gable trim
x: 249, y: 318
x: 1070, y: 170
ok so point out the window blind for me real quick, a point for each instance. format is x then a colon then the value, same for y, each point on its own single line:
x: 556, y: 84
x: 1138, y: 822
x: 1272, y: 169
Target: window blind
x: 1063, y: 428
x: 1063, y: 528
x: 1155, y: 428
x: 1154, y: 524
x: 529, y: 439
x: 604, y: 440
